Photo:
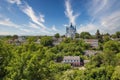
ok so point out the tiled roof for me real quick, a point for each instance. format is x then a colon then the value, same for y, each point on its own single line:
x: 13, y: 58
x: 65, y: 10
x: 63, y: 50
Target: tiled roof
x: 71, y: 58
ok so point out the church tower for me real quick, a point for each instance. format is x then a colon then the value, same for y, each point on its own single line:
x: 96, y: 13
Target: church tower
x: 71, y: 31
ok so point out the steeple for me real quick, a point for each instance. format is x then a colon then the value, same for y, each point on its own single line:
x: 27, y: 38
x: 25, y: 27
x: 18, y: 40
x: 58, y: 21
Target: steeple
x: 70, y: 31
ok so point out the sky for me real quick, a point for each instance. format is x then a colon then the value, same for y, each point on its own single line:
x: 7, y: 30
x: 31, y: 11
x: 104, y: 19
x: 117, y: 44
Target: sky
x: 47, y: 17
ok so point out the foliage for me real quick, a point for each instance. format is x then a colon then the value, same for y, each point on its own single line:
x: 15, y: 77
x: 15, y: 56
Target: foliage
x: 113, y: 46
x: 15, y: 36
x: 31, y: 61
x: 46, y: 41
x: 99, y: 36
x: 118, y: 34
x: 85, y: 35
x: 77, y: 35
x: 57, y: 35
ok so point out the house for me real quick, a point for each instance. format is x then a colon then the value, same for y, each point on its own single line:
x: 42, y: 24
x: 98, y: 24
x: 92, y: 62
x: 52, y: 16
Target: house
x: 93, y: 42
x: 90, y: 52
x: 57, y: 41
x: 17, y: 41
x: 71, y: 31
x: 37, y: 41
x: 21, y: 39
x: 73, y: 60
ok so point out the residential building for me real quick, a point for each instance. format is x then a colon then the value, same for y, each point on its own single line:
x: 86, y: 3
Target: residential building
x: 93, y: 42
x: 73, y: 60
x: 91, y: 52
x: 57, y: 41
x: 17, y: 41
x: 37, y: 41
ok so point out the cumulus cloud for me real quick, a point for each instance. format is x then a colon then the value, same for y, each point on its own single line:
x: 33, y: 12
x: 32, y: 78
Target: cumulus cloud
x: 7, y: 22
x: 69, y: 12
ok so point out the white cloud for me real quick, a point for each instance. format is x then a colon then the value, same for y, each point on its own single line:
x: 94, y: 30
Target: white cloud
x: 69, y: 13
x: 33, y: 25
x: 31, y: 14
x: 54, y: 28
x: 37, y: 21
x: 41, y: 18
x: 7, y: 22
x: 4, y: 33
x: 97, y: 6
x: 107, y: 24
x: 65, y: 25
x: 104, y: 17
x: 18, y: 2
x: 25, y: 30
x: 111, y: 23
x: 88, y: 28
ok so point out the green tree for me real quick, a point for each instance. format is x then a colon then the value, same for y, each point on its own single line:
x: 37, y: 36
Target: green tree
x: 31, y: 39
x: 57, y: 35
x: 113, y: 36
x: 99, y: 36
x: 77, y: 35
x: 15, y: 36
x: 118, y: 34
x: 5, y: 57
x: 106, y: 38
x: 113, y: 46
x: 85, y: 35
x: 116, y: 73
x: 46, y: 41
x: 118, y: 59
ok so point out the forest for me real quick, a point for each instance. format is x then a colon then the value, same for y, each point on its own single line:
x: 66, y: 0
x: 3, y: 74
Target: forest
x: 31, y: 61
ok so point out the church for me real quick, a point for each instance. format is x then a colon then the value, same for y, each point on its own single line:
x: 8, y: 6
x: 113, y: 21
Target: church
x: 71, y: 31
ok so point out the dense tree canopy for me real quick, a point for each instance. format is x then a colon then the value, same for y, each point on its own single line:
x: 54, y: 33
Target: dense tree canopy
x: 32, y: 61
x: 46, y: 41
x: 57, y: 35
x: 118, y: 34
x: 85, y: 35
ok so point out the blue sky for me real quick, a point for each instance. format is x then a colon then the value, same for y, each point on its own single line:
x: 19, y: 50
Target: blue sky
x: 47, y: 17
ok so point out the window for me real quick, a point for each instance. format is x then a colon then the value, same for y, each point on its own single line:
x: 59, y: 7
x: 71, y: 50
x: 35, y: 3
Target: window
x: 65, y: 60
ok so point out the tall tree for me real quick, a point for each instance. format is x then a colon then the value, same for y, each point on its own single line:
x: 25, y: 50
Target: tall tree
x: 46, y: 41
x: 113, y: 46
x: 118, y: 34
x: 15, y: 36
x: 57, y: 35
x: 99, y: 36
x: 77, y: 35
x: 85, y: 35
